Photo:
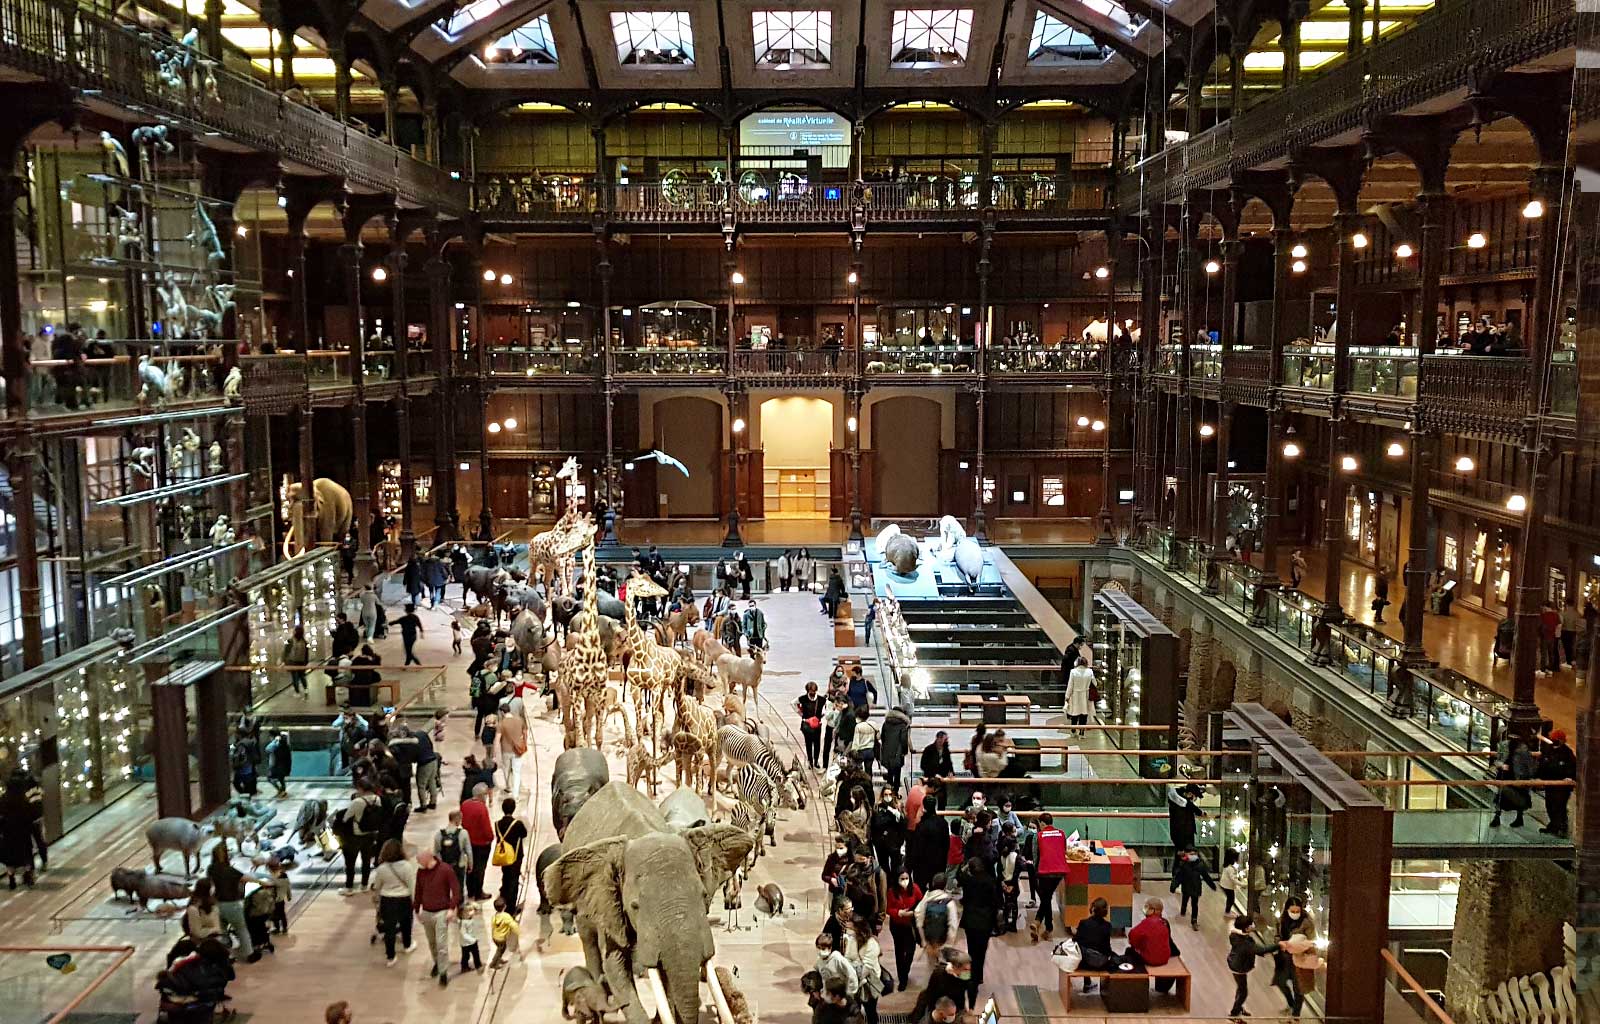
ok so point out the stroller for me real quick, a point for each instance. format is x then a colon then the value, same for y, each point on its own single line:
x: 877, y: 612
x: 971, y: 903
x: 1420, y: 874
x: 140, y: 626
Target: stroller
x: 194, y: 987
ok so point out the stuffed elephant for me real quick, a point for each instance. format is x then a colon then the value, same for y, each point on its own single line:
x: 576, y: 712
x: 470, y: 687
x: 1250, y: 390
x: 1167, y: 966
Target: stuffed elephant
x: 579, y: 774
x: 684, y: 809
x: 548, y: 856
x: 902, y: 553
x: 642, y: 894
x: 333, y: 512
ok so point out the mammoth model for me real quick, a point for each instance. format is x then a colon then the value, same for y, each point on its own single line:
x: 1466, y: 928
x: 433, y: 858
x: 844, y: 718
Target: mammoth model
x: 902, y: 554
x: 333, y: 511
x: 642, y: 893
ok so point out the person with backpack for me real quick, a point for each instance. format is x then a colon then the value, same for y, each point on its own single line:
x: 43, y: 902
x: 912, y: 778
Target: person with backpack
x: 1189, y: 875
x: 510, y: 846
x: 244, y: 770
x: 393, y: 883
x: 453, y: 846
x: 936, y: 916
x: 259, y: 906
x: 361, y: 821
x: 297, y: 655
x: 280, y: 758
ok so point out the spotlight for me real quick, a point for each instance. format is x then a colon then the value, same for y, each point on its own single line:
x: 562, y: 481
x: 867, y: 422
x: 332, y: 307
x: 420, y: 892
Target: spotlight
x: 1358, y: 240
x: 850, y: 424
x: 1396, y: 450
x: 1212, y: 266
x: 380, y: 274
x: 1517, y: 503
x: 488, y: 53
x: 488, y: 275
x: 737, y: 278
x: 1403, y: 250
x: 1299, y: 252
x: 1097, y: 426
x: 505, y: 278
x: 1083, y: 421
x: 1207, y: 430
x: 1298, y: 266
x: 1476, y: 240
x: 1534, y: 209
x: 1349, y: 464
x: 738, y: 425
x: 628, y: 466
x: 1464, y: 464
x: 1291, y: 449
x: 463, y: 467
x: 511, y: 423
x: 852, y: 277
x: 1102, y: 273
x: 494, y: 428
x: 241, y: 231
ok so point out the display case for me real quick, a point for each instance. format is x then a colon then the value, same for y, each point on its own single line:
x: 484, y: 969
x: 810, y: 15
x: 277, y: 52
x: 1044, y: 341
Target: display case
x: 302, y: 591
x: 668, y: 337
x: 1136, y: 668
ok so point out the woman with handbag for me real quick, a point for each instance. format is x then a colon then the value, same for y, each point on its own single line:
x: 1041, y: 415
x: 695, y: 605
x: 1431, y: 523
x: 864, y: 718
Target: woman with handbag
x: 1517, y: 767
x: 510, y: 839
x: 904, y: 895
x: 812, y: 709
x: 862, y: 951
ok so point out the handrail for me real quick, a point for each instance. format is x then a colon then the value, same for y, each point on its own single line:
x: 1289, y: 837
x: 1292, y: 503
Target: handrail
x: 124, y: 954
x: 1415, y: 986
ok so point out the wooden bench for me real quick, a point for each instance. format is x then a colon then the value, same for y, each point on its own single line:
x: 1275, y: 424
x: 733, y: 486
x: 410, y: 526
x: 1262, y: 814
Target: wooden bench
x: 1173, y: 968
x: 966, y: 702
x: 379, y: 689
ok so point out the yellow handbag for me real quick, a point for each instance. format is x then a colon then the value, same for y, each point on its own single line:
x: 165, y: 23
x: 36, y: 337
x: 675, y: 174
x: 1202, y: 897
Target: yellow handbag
x: 504, y: 854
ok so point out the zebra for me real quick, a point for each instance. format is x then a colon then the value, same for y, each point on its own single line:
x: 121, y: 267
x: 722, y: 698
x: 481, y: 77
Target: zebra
x: 757, y: 793
x: 738, y: 747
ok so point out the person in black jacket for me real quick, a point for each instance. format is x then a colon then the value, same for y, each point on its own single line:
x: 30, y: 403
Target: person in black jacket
x: 1242, y: 952
x: 928, y: 848
x: 980, y: 911
x: 936, y: 764
x: 894, y: 744
x: 887, y: 830
x: 1094, y: 933
x: 1181, y: 814
x: 1189, y: 874
x: 949, y: 979
x: 1557, y: 763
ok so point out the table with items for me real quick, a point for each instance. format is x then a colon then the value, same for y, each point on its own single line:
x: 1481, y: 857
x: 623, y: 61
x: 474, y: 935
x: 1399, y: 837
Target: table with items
x: 1104, y: 869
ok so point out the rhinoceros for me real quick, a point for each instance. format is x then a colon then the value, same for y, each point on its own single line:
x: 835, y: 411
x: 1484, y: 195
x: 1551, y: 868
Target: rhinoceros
x: 143, y: 886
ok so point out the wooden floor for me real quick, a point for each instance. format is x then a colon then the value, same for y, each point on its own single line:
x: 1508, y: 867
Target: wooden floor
x: 327, y: 956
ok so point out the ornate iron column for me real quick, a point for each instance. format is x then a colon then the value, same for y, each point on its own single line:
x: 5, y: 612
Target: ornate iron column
x: 398, y: 232
x: 1107, y: 535
x: 360, y: 485
x: 1272, y: 504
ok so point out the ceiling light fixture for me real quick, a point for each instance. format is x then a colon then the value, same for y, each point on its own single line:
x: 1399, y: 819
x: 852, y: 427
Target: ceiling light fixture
x: 505, y: 278
x: 1476, y: 240
x: 1396, y: 450
x: 1359, y: 240
x: 511, y: 423
x: 1083, y: 421
x: 380, y: 274
x: 488, y: 274
x: 494, y: 428
x: 1534, y: 209
x: 1299, y: 252
x: 1291, y: 447
x: 1404, y: 250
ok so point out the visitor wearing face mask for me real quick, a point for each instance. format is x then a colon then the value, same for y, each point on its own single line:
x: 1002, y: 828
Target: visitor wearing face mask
x: 833, y: 867
x: 945, y: 1011
x: 904, y: 895
x: 951, y: 975
x: 1298, y: 932
x: 887, y: 830
x: 1189, y: 875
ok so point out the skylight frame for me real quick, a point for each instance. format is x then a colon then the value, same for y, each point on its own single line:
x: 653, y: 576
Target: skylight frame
x: 529, y: 38
x: 947, y: 31
x: 464, y: 19
x: 790, y: 32
x: 1045, y: 43
x: 661, y: 32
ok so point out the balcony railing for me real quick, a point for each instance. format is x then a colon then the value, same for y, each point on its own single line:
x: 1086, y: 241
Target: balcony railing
x: 1564, y: 384
x: 1421, y: 62
x: 330, y: 368
x: 1454, y: 386
x: 59, y: 386
x: 818, y: 363
x: 927, y: 359
x: 670, y: 362
x: 1169, y: 359
x: 1205, y: 361
x: 1374, y: 370
x: 67, y: 43
x: 541, y: 363
x: 1025, y: 359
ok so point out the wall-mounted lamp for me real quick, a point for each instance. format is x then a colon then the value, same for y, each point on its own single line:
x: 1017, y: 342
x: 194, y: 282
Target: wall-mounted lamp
x: 1396, y: 450
x: 1358, y: 240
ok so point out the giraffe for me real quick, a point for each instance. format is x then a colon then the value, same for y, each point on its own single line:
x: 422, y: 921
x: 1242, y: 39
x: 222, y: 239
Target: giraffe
x: 552, y: 551
x: 640, y: 764
x: 695, y: 739
x: 650, y: 670
x: 583, y: 671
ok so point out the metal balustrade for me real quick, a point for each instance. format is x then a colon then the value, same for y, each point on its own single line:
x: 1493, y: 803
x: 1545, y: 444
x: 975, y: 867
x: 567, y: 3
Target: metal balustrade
x: 541, y: 363
x: 1025, y: 359
x: 118, y: 64
x: 60, y: 386
x: 669, y: 362
x: 797, y: 363
x: 1564, y: 385
x: 927, y: 359
x: 1456, y: 386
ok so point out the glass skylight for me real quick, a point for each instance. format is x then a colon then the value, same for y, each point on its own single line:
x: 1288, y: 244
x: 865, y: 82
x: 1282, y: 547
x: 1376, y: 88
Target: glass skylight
x: 1057, y: 42
x: 788, y: 40
x: 1116, y: 12
x: 463, y: 18
x: 930, y: 39
x: 660, y: 38
x: 528, y: 43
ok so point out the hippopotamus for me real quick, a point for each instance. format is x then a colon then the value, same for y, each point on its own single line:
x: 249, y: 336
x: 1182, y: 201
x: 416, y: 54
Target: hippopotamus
x: 902, y: 554
x: 142, y: 886
x: 579, y: 774
x: 176, y: 834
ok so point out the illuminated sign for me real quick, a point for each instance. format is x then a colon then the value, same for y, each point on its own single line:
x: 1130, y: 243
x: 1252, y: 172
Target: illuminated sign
x: 794, y: 129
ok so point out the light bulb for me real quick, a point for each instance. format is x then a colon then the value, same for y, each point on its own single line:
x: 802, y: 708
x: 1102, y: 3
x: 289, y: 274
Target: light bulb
x: 1291, y: 449
x: 494, y: 428
x: 850, y: 424
x: 511, y: 423
x: 488, y: 275
x: 1403, y: 250
x: 1298, y: 266
x: 1102, y: 273
x: 505, y: 278
x: 1348, y: 463
x: 1212, y: 266
x: 488, y: 53
x: 1358, y: 240
x: 1098, y: 425
x: 1083, y: 421
x: 852, y: 278
x: 1534, y: 209
x: 738, y: 425
x: 1464, y: 464
x: 463, y: 467
x: 1517, y: 503
x: 1396, y: 450
x: 1206, y: 430
x: 380, y: 274
x: 737, y: 278
x: 241, y: 231
x: 1476, y: 240
x: 1299, y: 252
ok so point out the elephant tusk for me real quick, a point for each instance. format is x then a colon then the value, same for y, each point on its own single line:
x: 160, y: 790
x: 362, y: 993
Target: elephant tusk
x: 658, y: 992
x: 724, y: 1013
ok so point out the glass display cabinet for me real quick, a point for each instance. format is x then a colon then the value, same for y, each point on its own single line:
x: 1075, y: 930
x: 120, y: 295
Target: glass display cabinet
x: 1136, y: 665
x: 679, y: 337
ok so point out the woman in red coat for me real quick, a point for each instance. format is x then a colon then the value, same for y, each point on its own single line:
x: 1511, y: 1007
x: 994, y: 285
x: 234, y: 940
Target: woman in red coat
x: 1047, y: 876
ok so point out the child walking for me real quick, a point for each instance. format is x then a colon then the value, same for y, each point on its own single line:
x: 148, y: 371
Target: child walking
x: 486, y: 736
x: 1242, y: 952
x: 439, y: 718
x: 455, y: 635
x: 1189, y: 875
x: 505, y: 932
x: 281, y: 894
x: 471, y: 928
x: 1230, y: 881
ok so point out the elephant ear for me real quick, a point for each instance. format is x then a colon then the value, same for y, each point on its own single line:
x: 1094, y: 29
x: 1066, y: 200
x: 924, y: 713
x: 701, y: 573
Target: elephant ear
x: 718, y: 850
x: 589, y: 879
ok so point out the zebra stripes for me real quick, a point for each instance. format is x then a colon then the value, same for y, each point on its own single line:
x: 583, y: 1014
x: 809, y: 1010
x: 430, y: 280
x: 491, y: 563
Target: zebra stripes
x: 740, y: 747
